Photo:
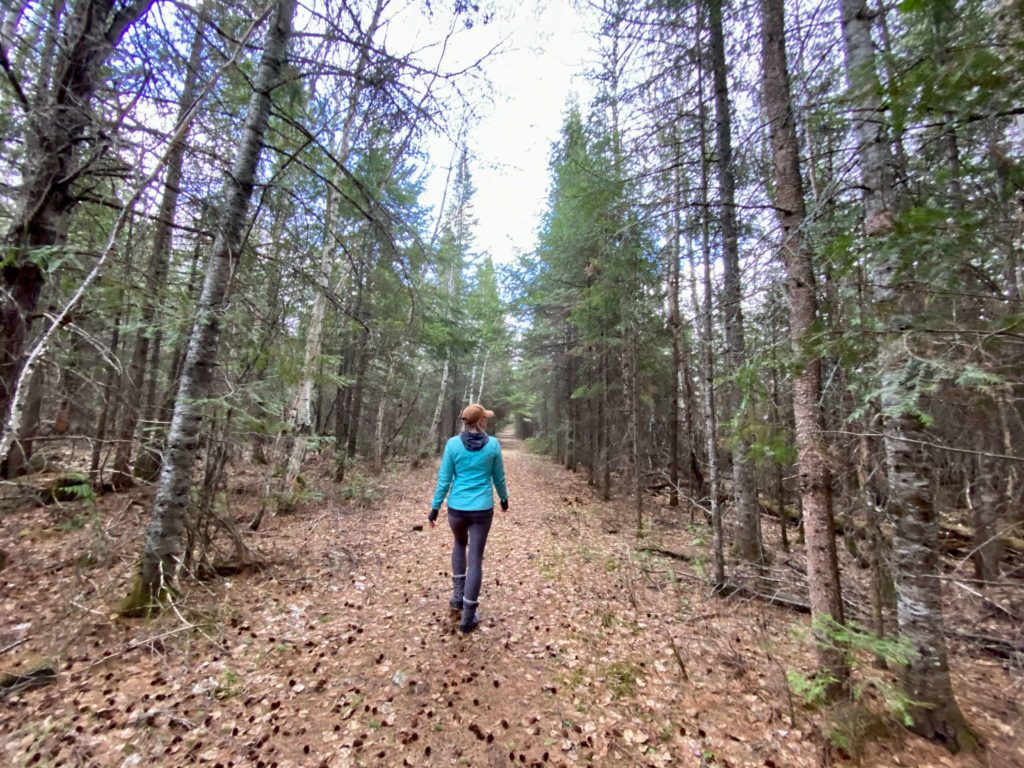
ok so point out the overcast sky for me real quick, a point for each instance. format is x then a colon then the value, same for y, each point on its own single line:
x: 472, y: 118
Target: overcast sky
x: 546, y: 47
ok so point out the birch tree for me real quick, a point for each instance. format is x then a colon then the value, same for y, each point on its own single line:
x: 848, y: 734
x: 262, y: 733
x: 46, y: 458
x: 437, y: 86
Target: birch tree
x: 302, y: 421
x: 925, y: 679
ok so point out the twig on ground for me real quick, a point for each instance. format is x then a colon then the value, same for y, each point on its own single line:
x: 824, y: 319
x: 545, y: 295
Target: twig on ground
x: 679, y: 656
x: 12, y: 646
x: 987, y: 600
x: 139, y: 644
x: 666, y: 553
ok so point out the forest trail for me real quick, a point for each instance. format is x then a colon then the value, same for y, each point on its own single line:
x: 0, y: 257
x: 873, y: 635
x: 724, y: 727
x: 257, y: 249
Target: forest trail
x: 343, y: 652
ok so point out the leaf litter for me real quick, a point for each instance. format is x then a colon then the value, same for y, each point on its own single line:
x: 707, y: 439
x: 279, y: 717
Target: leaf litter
x: 341, y: 650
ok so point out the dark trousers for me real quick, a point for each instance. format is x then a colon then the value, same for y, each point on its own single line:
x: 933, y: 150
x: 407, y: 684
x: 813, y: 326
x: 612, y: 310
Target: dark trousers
x: 470, y: 534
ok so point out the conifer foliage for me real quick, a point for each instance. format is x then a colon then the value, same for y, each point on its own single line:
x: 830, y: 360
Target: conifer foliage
x: 779, y: 285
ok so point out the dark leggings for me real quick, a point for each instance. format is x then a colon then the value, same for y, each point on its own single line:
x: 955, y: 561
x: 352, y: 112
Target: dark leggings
x: 469, y: 532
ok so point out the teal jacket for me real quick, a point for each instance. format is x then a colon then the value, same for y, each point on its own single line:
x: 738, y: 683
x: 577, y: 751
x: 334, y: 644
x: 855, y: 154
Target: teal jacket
x: 466, y: 476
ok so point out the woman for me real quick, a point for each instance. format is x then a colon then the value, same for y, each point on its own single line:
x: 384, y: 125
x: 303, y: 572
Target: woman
x: 470, y: 466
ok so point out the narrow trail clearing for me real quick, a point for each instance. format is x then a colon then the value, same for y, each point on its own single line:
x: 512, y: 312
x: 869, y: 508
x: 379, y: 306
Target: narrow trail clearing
x: 342, y: 651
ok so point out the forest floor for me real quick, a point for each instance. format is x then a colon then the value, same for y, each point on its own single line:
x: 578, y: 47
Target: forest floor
x: 341, y: 651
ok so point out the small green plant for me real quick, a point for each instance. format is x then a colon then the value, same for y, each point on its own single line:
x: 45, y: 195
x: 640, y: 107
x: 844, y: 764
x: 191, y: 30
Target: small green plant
x: 812, y: 689
x: 542, y: 444
x: 363, y: 489
x: 228, y: 685
x: 622, y: 677
x: 73, y: 486
x: 550, y: 565
x: 574, y: 679
x: 698, y: 566
x: 850, y: 723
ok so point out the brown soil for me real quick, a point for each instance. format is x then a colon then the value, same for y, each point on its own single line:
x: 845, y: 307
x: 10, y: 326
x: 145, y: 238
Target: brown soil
x: 341, y: 651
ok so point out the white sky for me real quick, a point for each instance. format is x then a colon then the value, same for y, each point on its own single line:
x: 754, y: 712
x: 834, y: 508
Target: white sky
x: 547, y: 47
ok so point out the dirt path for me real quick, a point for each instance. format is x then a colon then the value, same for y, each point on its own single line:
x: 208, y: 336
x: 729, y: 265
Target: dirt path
x: 344, y: 653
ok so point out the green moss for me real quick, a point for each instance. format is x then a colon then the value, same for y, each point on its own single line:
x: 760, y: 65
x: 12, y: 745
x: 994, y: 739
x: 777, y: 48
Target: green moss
x: 141, y: 603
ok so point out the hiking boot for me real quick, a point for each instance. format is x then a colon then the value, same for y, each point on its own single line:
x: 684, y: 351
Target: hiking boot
x: 470, y: 617
x: 458, y: 585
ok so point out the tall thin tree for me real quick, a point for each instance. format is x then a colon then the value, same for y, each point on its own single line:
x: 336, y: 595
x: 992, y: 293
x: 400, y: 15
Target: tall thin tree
x: 795, y: 252
x: 925, y: 679
x: 167, y: 519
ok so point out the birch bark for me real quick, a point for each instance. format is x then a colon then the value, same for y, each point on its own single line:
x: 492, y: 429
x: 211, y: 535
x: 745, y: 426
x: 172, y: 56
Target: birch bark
x: 483, y: 375
x: 925, y: 680
x: 434, y: 436
x: 707, y: 343
x: 302, y: 420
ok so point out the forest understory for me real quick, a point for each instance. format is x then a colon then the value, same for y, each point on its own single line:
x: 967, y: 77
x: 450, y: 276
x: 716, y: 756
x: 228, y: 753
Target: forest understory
x: 335, y: 645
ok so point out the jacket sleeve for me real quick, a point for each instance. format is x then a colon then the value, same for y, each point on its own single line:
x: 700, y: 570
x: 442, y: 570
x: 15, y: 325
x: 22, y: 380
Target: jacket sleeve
x: 498, y: 473
x: 445, y: 475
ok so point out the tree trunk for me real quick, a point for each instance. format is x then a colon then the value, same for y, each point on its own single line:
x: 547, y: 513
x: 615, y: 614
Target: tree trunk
x: 358, y: 388
x: 483, y: 376
x: 780, y: 483
x: 984, y: 498
x: 167, y: 519
x: 925, y: 680
x: 54, y: 160
x: 630, y: 385
x: 110, y: 386
x: 707, y: 342
x: 378, y: 432
x: 812, y: 451
x: 748, y: 527
x: 159, y: 410
x: 434, y: 435
x: 302, y: 420
x: 156, y: 273
x: 568, y: 425
x: 302, y: 417
x: 674, y: 323
x: 604, y: 438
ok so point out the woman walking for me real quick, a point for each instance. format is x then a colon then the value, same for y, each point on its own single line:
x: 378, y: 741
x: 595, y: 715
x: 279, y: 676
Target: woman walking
x: 471, y: 465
